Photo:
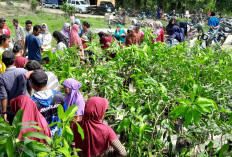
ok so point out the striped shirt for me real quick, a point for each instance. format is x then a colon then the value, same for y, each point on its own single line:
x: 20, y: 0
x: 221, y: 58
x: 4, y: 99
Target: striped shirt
x: 53, y: 82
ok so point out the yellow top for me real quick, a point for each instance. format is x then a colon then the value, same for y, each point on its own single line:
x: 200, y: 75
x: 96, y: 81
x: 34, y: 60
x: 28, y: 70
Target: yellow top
x: 2, y: 65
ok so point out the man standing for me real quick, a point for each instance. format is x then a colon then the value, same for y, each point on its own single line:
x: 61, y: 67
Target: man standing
x: 214, y: 24
x: 3, y: 28
x: 27, y: 28
x: 47, y: 100
x: 13, y: 83
x: 19, y: 32
x: 33, y: 44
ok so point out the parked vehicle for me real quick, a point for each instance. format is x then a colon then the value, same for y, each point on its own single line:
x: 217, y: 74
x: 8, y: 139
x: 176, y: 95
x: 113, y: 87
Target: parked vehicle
x: 104, y: 7
x: 53, y: 3
x: 206, y: 38
x: 142, y: 16
x: 80, y: 5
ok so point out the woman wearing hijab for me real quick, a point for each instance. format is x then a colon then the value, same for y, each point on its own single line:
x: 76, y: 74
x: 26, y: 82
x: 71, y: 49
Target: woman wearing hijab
x: 99, y: 138
x: 159, y: 32
x: 131, y: 38
x: 169, y: 28
x: 178, y: 34
x: 78, y: 22
x: 30, y: 113
x: 120, y: 34
x: 45, y: 37
x: 66, y: 30
x: 73, y: 96
x: 138, y: 32
x: 105, y: 42
x: 133, y: 22
x: 75, y: 39
x: 61, y: 41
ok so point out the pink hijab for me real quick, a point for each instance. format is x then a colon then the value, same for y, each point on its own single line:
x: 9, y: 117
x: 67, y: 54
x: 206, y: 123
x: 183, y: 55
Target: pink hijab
x: 30, y: 113
x: 97, y: 136
x: 74, y: 37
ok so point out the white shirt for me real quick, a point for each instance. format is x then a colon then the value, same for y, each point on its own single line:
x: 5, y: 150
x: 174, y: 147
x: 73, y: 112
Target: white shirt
x: 46, y: 39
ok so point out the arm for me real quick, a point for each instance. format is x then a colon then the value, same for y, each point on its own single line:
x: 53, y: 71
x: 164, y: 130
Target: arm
x: 119, y: 148
x: 25, y: 45
x: 4, y: 108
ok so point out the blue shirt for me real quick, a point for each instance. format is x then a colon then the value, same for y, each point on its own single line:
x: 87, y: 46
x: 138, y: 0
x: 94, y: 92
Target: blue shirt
x: 122, y: 39
x: 13, y: 83
x: 213, y: 21
x: 33, y: 44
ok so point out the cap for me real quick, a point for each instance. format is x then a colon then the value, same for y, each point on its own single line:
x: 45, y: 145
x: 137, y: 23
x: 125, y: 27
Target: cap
x: 137, y: 25
x: 2, y: 20
x: 39, y: 78
x: 84, y: 38
x: 33, y: 65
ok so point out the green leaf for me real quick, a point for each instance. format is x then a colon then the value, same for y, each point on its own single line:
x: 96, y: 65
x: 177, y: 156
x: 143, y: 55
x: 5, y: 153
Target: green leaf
x: 10, y: 147
x: 80, y: 130
x: 61, y: 112
x: 70, y: 112
x: 64, y: 151
x: 38, y: 135
x: 210, y: 145
x: 17, y: 123
x: 31, y: 126
x: 55, y: 123
x: 5, y: 127
x: 28, y: 152
x: 42, y: 154
x: 40, y: 147
x: 69, y: 130
x: 188, y: 118
x: 29, y: 122
x: 194, y: 92
x: 223, y: 150
x: 196, y: 116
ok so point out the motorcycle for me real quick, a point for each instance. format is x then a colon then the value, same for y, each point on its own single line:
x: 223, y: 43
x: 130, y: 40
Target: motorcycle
x: 172, y: 41
x: 142, y: 16
x: 224, y: 31
x: 206, y: 38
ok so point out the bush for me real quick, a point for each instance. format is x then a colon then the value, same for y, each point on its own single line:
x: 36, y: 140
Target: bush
x: 34, y: 5
x: 68, y: 9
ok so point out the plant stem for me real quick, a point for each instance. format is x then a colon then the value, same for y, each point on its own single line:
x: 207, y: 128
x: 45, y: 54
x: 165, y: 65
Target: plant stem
x: 149, y: 144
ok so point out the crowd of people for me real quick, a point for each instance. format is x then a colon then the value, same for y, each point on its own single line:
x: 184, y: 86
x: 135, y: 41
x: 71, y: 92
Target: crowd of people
x: 25, y: 85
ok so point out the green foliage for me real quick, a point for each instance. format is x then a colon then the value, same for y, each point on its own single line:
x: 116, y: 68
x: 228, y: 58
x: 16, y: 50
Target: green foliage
x: 191, y: 84
x: 68, y: 9
x: 34, y: 5
x: 58, y: 145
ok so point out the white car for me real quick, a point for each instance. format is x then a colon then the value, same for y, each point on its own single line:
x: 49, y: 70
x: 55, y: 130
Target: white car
x: 80, y: 5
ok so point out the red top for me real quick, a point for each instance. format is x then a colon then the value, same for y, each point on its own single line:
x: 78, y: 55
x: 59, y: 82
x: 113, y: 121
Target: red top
x: 208, y: 13
x: 161, y: 36
x: 105, y: 43
x: 5, y: 30
x: 97, y: 136
x: 30, y: 113
x: 20, y: 61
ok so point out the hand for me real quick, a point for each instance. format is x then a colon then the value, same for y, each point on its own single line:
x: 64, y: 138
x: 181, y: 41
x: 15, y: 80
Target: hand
x: 5, y: 118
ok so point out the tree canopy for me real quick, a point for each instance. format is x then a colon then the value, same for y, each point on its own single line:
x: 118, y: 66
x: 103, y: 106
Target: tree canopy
x: 180, y: 5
